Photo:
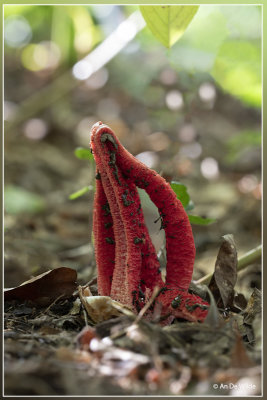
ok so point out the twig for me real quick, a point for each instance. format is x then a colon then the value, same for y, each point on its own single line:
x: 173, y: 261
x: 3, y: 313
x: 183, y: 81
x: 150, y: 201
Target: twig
x: 249, y: 258
x: 124, y: 331
x: 155, y: 293
x: 53, y: 303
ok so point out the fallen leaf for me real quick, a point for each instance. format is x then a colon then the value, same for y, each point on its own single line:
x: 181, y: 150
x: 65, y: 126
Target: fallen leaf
x: 101, y: 308
x: 253, y: 307
x: 240, y: 301
x: 213, y: 316
x: 239, y: 357
x: 225, y: 275
x: 49, y: 330
x: 66, y: 354
x: 85, y: 336
x: 76, y: 307
x: 45, y: 288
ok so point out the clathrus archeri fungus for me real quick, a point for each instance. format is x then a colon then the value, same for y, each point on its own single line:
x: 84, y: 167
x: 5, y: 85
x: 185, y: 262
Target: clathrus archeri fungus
x: 128, y: 267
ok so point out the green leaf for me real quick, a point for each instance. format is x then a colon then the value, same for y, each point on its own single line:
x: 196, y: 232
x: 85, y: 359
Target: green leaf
x: 168, y: 23
x: 197, y: 49
x: 181, y: 192
x: 84, y: 154
x: 18, y: 200
x: 243, y: 22
x: 196, y: 220
x: 80, y: 192
x: 190, y: 206
x: 237, y: 69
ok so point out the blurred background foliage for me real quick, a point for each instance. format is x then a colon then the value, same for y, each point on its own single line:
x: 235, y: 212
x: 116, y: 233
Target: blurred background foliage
x: 193, y: 112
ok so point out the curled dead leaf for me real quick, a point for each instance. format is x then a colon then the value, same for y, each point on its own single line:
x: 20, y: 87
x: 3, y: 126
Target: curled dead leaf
x: 45, y: 288
x: 101, y: 308
x: 253, y: 307
x: 224, y: 278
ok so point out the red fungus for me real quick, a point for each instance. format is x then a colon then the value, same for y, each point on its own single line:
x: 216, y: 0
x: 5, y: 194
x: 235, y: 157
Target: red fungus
x: 121, y: 237
x: 105, y: 249
x: 128, y: 268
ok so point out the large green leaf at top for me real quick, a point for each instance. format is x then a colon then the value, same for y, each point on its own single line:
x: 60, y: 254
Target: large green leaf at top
x: 168, y: 23
x: 237, y: 69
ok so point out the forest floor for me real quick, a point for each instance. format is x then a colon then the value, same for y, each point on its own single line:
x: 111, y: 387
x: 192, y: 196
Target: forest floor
x: 53, y: 346
x: 59, y: 349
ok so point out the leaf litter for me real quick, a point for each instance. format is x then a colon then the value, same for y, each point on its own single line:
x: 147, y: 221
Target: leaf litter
x: 225, y: 275
x: 71, y: 341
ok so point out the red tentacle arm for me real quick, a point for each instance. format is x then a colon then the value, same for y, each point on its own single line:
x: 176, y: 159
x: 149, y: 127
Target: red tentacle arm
x: 105, y: 249
x: 180, y: 262
x: 136, y: 269
x: 133, y: 247
x: 177, y: 303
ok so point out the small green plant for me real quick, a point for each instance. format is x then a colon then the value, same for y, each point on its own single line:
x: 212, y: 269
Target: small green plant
x: 83, y: 154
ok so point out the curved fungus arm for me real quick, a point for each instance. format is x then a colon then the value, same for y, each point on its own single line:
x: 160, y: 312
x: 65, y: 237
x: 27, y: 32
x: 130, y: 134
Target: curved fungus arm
x: 104, y: 248
x: 128, y: 268
x: 136, y: 265
x: 179, y: 238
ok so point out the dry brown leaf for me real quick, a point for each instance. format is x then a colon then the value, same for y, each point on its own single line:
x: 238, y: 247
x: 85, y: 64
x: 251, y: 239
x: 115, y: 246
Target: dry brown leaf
x: 253, y: 307
x: 240, y: 358
x: 85, y: 336
x: 224, y: 278
x: 45, y: 288
x: 101, y: 308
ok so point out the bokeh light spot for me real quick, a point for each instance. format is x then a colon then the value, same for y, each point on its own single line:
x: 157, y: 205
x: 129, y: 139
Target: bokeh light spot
x: 82, y: 130
x: 209, y: 168
x: 103, y: 11
x: 192, y: 150
x: 158, y: 141
x: 168, y: 76
x: 174, y: 100
x: 17, y: 31
x: 10, y: 109
x: 126, y: 31
x: 35, y: 129
x: 247, y: 183
x: 207, y: 92
x: 187, y: 133
x: 82, y: 70
x: 42, y: 56
x: 98, y: 79
x: 149, y: 158
x: 83, y: 41
x: 47, y: 55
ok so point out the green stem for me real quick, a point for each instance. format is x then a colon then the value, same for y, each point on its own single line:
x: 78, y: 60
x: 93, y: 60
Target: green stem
x: 247, y: 259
